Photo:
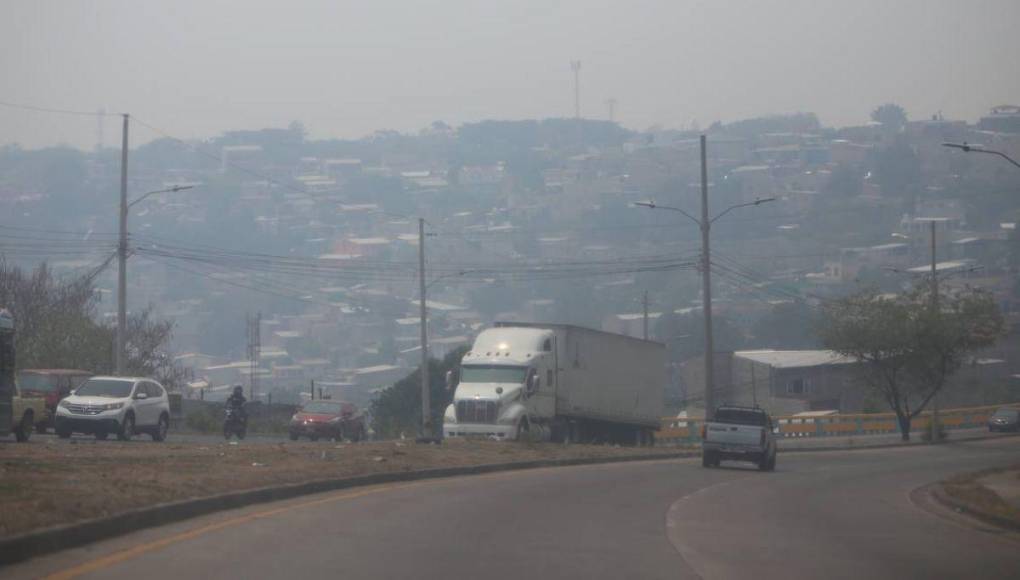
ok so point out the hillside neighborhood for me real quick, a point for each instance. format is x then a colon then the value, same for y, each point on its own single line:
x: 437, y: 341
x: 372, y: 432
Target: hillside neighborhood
x: 292, y: 264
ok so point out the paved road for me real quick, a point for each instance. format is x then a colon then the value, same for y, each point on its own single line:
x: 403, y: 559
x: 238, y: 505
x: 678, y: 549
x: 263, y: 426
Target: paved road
x: 845, y: 514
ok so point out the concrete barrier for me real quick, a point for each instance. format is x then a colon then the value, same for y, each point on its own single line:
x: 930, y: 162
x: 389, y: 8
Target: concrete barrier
x: 683, y: 431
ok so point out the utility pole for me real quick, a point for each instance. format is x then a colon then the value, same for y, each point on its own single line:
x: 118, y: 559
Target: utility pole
x: 706, y: 288
x: 612, y: 109
x: 644, y: 303
x: 575, y: 65
x: 254, y: 346
x: 426, y: 413
x: 121, y: 355
x: 935, y: 312
x: 705, y: 223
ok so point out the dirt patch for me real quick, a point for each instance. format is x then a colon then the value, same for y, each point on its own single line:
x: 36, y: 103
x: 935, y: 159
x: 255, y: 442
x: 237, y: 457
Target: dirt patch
x: 52, y: 483
x: 966, y: 492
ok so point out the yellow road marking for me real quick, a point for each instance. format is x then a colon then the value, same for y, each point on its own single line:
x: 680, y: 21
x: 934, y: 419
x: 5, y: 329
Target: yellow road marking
x: 135, y: 551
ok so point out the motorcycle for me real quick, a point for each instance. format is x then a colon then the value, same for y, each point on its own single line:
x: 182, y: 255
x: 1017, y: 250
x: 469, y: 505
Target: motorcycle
x: 234, y: 423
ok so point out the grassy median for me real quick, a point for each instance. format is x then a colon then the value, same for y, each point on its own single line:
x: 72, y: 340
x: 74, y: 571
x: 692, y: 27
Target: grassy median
x: 51, y: 482
x: 967, y: 492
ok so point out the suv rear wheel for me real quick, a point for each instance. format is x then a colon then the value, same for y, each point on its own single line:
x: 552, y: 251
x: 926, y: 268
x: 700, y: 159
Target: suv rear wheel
x: 159, y: 433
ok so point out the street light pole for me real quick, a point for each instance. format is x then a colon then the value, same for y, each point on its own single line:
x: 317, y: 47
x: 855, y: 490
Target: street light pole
x: 935, y: 312
x: 706, y: 288
x: 966, y: 148
x: 705, y: 224
x: 426, y: 415
x: 122, y: 255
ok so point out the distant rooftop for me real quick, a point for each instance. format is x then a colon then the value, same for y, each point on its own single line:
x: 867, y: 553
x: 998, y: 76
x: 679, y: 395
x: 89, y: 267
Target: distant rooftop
x: 787, y: 359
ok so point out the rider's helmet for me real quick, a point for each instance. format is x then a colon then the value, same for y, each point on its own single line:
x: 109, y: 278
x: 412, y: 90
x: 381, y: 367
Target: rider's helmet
x: 238, y: 391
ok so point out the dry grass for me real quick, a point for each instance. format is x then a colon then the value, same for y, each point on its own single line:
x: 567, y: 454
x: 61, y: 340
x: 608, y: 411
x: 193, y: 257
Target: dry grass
x: 49, y: 483
x: 967, y: 489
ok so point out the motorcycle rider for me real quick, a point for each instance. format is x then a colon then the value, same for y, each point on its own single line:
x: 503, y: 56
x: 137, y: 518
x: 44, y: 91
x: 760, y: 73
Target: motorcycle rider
x: 236, y: 401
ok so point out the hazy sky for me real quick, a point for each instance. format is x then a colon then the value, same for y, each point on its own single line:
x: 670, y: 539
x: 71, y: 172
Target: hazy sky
x: 196, y: 68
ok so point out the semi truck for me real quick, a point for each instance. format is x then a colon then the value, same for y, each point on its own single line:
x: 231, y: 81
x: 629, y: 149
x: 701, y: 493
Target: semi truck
x: 558, y: 382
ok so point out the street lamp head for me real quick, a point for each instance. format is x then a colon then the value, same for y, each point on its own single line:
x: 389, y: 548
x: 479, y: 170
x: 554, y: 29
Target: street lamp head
x: 961, y: 146
x: 648, y: 204
x: 764, y: 200
x: 177, y: 188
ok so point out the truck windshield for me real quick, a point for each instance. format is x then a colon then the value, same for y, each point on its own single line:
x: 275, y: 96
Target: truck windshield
x: 38, y: 382
x: 492, y: 374
x: 740, y: 417
x: 105, y: 388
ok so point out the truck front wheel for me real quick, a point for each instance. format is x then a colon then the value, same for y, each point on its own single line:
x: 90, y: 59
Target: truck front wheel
x: 523, y: 430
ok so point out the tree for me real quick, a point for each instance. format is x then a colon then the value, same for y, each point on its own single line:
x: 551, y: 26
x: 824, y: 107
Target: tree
x: 57, y: 328
x: 890, y: 115
x: 907, y: 348
x: 397, y: 409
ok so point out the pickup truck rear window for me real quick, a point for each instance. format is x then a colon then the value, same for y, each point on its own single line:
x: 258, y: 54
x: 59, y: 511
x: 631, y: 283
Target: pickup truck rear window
x: 740, y: 417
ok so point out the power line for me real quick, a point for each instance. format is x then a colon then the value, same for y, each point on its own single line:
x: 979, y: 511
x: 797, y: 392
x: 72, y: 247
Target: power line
x: 57, y: 111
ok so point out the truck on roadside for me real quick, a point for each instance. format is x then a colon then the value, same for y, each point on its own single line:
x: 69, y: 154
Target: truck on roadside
x: 17, y: 414
x: 739, y: 434
x: 558, y: 382
x: 52, y: 385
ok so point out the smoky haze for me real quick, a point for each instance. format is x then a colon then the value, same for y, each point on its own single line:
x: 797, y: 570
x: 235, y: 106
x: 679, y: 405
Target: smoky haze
x: 346, y: 69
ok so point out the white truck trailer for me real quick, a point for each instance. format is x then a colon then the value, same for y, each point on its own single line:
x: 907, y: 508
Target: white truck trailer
x: 557, y: 382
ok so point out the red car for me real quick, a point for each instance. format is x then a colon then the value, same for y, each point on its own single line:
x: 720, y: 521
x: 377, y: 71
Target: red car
x: 337, y: 420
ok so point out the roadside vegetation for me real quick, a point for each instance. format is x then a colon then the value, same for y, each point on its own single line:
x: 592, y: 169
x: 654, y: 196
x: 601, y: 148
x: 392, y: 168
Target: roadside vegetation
x: 57, y: 483
x: 57, y: 325
x: 910, y: 344
x: 967, y: 492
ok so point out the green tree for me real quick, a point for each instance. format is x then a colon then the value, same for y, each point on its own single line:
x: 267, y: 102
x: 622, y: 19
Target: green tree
x: 890, y: 115
x: 397, y: 409
x: 907, y: 348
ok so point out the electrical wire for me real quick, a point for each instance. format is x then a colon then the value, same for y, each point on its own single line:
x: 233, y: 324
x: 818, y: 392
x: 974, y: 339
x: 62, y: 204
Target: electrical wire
x: 58, y: 111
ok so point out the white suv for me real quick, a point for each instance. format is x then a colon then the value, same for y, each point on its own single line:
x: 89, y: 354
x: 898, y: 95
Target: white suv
x: 121, y: 405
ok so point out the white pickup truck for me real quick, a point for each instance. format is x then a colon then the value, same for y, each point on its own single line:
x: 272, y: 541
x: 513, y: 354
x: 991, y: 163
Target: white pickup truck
x: 741, y: 434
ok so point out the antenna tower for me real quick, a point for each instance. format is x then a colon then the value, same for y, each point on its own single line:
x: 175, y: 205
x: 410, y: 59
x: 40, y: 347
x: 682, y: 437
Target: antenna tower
x: 575, y: 65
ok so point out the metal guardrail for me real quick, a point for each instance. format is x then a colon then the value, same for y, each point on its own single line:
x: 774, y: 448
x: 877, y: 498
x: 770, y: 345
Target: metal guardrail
x: 679, y: 431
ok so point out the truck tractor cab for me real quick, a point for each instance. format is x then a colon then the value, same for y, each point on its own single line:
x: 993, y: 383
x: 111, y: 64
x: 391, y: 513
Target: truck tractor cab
x: 6, y: 371
x: 505, y: 389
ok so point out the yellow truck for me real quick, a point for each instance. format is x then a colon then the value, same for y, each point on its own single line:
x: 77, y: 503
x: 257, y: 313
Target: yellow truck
x: 17, y: 414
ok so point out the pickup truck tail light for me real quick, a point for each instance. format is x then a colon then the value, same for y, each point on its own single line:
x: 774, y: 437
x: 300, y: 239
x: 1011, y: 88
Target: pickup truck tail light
x: 704, y: 432
x: 762, y: 441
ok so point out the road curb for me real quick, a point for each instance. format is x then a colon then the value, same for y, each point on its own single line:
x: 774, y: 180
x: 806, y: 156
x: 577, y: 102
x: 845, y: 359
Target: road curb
x: 32, y: 544
x: 938, y: 493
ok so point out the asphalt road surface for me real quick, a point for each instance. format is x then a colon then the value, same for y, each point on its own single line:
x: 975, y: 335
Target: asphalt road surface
x: 840, y: 514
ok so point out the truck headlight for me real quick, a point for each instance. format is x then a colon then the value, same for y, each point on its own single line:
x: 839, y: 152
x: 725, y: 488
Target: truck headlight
x: 112, y: 406
x: 63, y: 404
